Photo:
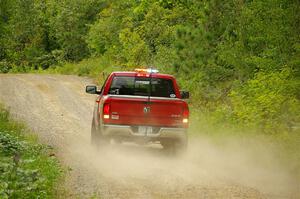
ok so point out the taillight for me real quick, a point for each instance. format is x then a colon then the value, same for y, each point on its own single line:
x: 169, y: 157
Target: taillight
x: 185, y: 120
x: 185, y: 115
x: 106, y: 111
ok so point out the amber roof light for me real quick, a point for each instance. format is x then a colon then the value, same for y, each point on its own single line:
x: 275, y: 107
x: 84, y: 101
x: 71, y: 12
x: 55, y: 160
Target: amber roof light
x: 148, y: 70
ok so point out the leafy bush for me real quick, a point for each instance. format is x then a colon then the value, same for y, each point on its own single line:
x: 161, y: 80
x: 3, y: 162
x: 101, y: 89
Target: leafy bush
x: 27, y: 171
x: 5, y: 67
x: 268, y: 101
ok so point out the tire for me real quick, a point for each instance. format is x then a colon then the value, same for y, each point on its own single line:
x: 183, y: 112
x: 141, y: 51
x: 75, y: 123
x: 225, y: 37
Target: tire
x: 174, y: 147
x: 97, y: 139
x: 180, y: 147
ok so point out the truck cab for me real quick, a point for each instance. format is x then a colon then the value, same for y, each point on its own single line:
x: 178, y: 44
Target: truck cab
x: 140, y: 106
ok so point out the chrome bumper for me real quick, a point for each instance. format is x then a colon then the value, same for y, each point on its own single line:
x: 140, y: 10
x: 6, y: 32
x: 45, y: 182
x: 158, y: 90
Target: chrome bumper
x: 127, y: 131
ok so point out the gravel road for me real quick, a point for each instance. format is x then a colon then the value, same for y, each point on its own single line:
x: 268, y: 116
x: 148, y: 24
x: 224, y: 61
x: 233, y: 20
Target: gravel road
x: 60, y: 112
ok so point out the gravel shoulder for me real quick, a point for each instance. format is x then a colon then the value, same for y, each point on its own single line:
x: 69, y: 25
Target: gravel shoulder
x: 57, y: 108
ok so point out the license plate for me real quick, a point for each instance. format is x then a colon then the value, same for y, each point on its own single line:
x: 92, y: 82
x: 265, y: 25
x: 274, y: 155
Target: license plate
x: 144, y: 130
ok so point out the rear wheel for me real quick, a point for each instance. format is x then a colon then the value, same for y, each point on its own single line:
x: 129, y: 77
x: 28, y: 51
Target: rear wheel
x: 174, y: 147
x: 97, y: 139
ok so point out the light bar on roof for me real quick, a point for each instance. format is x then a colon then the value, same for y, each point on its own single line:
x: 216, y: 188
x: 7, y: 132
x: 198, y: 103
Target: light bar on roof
x: 148, y: 70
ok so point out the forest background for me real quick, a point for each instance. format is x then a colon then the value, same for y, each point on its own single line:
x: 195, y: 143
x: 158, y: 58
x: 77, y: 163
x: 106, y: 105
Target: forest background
x: 239, y: 59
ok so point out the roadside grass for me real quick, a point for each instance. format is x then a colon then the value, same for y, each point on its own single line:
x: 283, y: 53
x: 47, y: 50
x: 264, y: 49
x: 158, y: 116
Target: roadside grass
x: 27, y: 168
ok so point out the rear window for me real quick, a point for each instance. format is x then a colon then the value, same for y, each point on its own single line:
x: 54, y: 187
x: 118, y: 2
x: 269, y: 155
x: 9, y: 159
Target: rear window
x: 141, y: 86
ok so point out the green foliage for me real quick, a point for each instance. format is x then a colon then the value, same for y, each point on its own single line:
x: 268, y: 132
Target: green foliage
x: 5, y: 67
x: 268, y: 101
x: 32, y: 32
x: 226, y: 53
x: 26, y: 169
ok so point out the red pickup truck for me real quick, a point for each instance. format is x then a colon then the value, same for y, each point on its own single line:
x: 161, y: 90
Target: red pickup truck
x: 140, y: 106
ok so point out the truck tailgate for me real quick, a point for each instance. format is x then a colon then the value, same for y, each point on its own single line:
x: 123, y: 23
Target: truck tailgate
x: 166, y: 112
x: 135, y: 110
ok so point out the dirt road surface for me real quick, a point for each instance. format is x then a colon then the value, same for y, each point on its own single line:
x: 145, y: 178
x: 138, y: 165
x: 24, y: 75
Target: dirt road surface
x: 60, y: 112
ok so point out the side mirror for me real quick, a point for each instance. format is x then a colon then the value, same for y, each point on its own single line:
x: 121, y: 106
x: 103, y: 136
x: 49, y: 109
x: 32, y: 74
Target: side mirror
x: 185, y: 94
x: 92, y: 89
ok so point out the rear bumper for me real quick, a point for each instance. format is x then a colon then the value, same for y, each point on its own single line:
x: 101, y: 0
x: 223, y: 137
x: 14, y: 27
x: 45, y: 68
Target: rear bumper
x: 130, y: 132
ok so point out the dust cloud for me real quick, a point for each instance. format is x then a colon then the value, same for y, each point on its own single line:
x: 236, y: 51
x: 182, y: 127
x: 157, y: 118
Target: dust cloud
x: 234, y: 168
